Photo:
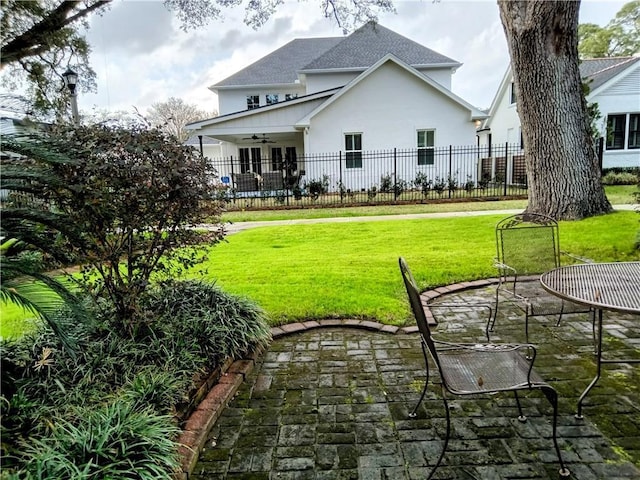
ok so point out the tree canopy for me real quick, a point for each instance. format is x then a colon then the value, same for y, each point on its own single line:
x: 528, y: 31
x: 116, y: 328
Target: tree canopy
x: 172, y: 116
x: 619, y: 38
x: 40, y: 39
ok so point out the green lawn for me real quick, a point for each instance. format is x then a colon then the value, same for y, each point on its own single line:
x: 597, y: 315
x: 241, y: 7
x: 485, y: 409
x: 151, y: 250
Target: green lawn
x: 617, y: 195
x: 350, y: 270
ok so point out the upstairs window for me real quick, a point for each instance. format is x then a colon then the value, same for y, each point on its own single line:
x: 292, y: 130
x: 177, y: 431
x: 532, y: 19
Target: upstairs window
x: 353, y: 148
x: 290, y: 96
x: 426, y: 144
x: 272, y: 98
x: 253, y: 101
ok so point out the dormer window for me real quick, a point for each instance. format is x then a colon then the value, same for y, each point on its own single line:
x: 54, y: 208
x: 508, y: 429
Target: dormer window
x: 253, y: 101
x: 272, y: 98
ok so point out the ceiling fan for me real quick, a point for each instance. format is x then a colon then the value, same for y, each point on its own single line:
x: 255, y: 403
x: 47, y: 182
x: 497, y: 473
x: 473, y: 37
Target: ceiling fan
x: 257, y: 139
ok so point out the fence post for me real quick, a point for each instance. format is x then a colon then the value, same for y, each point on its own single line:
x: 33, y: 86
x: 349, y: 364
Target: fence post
x: 342, y: 190
x: 600, y: 152
x: 395, y: 175
x: 449, y: 177
x: 506, y: 158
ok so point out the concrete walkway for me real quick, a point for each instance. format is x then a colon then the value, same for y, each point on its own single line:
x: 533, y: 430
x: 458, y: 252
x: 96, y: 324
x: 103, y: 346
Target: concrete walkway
x: 240, y: 226
x: 333, y: 403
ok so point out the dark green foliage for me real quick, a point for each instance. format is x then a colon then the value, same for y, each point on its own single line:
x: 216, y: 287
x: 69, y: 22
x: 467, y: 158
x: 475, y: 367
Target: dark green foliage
x: 317, y: 187
x: 119, y: 200
x: 49, y: 399
x: 24, y: 283
x: 201, y: 315
x: 113, y: 441
x: 423, y: 183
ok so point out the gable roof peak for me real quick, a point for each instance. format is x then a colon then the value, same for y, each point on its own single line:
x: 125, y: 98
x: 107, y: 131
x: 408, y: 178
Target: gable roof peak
x: 369, y: 43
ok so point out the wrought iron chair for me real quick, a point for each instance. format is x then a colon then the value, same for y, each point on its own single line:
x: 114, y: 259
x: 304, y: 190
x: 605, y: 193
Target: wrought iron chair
x: 470, y: 369
x: 529, y: 244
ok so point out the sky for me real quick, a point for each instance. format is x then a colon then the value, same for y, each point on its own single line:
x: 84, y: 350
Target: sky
x: 141, y: 55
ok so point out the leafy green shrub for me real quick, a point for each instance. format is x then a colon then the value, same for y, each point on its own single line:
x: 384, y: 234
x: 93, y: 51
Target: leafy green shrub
x: 399, y: 187
x: 317, y: 187
x: 386, y: 183
x: 423, y: 183
x: 193, y: 326
x: 112, y: 441
x: 619, y: 178
x: 121, y: 200
x: 218, y: 324
x: 439, y: 185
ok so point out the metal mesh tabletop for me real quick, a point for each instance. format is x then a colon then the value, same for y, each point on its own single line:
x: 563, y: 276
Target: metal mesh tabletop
x: 609, y: 286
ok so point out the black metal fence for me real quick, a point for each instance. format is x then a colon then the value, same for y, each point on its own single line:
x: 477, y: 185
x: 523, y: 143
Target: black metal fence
x: 372, y: 177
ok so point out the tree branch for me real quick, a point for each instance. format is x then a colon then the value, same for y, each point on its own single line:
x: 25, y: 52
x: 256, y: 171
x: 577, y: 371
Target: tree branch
x: 36, y: 40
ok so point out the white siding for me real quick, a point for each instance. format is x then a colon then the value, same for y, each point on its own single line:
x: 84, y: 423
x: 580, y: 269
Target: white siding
x: 388, y: 107
x: 440, y: 75
x: 622, y: 96
x: 504, y: 121
x: 319, y: 82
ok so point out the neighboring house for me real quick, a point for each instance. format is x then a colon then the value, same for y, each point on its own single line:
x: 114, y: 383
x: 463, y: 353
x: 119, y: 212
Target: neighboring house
x: 372, y: 90
x: 614, y: 85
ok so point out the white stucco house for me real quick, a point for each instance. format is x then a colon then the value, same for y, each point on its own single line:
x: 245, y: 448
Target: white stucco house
x: 372, y: 90
x: 614, y: 84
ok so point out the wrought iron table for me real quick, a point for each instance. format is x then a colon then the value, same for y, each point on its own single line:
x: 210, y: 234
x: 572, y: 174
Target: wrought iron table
x: 603, y: 286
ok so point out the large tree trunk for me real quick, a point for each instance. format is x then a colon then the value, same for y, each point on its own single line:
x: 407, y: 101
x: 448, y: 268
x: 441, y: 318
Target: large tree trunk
x: 562, y: 166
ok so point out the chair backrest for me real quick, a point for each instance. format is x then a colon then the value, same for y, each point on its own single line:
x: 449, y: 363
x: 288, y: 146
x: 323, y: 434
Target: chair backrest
x: 529, y: 243
x: 416, y: 306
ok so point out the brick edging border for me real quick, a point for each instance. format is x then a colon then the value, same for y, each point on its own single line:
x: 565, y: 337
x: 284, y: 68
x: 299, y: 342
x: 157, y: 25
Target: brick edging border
x: 209, y: 410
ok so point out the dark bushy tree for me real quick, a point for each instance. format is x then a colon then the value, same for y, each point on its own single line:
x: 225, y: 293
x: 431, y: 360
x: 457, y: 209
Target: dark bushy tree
x: 124, y: 202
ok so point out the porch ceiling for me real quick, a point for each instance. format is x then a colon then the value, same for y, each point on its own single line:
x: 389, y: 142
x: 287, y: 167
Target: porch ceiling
x: 257, y: 137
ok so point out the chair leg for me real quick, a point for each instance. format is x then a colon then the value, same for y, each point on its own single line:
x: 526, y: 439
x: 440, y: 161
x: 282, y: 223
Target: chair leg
x: 560, y: 314
x: 594, y: 331
x: 493, y: 317
x: 446, y: 438
x: 413, y: 414
x: 552, y: 396
x: 521, y: 417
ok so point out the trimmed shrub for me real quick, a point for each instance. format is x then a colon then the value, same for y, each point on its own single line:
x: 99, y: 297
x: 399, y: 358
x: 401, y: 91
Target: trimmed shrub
x: 619, y: 178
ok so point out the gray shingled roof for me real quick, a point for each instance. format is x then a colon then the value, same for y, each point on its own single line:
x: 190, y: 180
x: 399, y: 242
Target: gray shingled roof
x: 360, y: 50
x: 282, y: 65
x: 370, y: 43
x: 600, y: 70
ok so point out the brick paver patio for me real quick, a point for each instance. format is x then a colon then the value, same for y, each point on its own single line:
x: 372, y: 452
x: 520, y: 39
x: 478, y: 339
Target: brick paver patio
x: 333, y: 403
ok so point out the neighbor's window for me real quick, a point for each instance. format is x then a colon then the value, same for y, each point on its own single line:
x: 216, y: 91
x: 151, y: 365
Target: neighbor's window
x: 272, y: 98
x: 276, y: 158
x: 290, y: 96
x: 253, y: 101
x: 256, y: 160
x: 616, y: 125
x: 290, y: 160
x: 634, y: 131
x: 512, y: 93
x: 426, y: 145
x: 353, y: 148
x: 244, y: 160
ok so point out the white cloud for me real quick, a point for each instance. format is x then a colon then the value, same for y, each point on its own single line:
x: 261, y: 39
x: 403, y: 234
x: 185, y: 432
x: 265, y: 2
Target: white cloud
x: 141, y: 56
